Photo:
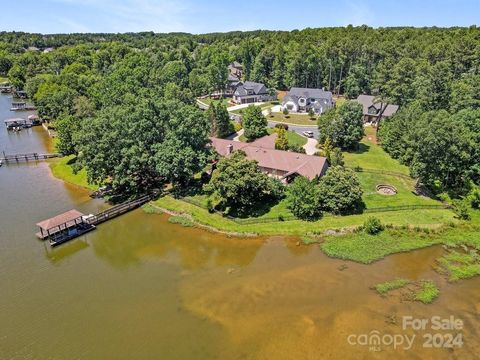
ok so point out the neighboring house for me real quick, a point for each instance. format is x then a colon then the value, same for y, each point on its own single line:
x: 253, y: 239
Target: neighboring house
x: 251, y: 92
x: 284, y: 165
x: 372, y: 112
x: 232, y: 83
x: 303, y: 99
x: 235, y: 69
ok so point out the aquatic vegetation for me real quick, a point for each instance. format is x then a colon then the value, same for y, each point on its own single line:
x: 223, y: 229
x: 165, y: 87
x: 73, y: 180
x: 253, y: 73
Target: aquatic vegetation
x: 424, y: 291
x: 365, y: 248
x: 459, y: 265
x: 427, y: 293
x: 182, y: 220
x: 387, y: 286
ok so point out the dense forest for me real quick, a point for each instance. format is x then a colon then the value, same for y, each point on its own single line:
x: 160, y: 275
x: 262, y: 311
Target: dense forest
x: 124, y: 103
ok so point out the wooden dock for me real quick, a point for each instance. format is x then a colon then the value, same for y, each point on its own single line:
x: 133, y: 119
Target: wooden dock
x: 118, y: 210
x: 72, y: 224
x: 15, y: 158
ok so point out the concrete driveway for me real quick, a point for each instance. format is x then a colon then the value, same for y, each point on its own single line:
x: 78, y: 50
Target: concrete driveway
x: 311, y: 146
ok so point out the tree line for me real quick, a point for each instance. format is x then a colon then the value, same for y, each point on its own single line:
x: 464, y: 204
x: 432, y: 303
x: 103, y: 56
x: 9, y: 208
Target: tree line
x: 124, y: 103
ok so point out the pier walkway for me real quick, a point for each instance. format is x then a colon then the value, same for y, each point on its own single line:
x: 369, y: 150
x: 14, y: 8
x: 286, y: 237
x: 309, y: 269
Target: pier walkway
x: 72, y: 224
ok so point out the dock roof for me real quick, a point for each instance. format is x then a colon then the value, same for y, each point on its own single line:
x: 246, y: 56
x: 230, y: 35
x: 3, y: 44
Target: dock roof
x: 67, y: 218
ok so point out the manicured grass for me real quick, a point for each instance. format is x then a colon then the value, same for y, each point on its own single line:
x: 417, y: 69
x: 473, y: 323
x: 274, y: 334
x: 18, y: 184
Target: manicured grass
x: 272, y: 225
x: 405, y: 191
x: 3, y: 79
x: 365, y: 248
x: 387, y: 286
x: 61, y: 168
x: 295, y: 119
x: 372, y: 156
x: 457, y: 265
x: 428, y: 292
x: 293, y: 137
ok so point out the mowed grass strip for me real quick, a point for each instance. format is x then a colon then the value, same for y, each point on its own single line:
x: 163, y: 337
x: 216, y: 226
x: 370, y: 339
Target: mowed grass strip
x: 294, y: 119
x: 424, y: 218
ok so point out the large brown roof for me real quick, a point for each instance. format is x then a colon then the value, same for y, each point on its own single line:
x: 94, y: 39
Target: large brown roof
x: 65, y: 218
x: 267, y: 157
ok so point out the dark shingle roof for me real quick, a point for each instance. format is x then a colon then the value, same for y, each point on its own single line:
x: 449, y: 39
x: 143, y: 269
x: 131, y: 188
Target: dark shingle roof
x: 367, y: 101
x: 258, y: 88
x: 310, y: 93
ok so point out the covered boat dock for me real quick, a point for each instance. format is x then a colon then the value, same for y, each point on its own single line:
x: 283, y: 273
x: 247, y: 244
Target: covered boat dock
x: 64, y: 227
x: 18, y: 123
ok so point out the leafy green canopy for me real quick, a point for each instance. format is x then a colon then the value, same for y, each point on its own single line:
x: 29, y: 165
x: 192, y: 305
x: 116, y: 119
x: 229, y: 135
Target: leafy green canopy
x: 240, y: 185
x: 254, y: 123
x: 141, y: 145
x: 342, y: 125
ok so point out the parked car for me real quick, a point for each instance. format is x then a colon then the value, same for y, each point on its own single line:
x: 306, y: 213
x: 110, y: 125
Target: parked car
x: 308, y: 134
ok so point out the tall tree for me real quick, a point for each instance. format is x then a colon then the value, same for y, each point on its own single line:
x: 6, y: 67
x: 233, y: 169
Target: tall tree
x: 254, y: 123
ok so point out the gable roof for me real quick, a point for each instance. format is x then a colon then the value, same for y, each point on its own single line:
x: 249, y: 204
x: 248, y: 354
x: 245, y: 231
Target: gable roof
x: 310, y: 93
x: 367, y: 102
x: 257, y: 88
x: 65, y: 218
x: 266, y: 156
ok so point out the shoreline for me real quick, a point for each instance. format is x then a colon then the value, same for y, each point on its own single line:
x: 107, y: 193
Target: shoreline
x: 347, y: 243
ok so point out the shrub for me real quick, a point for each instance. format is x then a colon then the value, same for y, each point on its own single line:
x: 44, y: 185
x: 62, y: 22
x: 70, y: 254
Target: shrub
x: 303, y: 199
x: 285, y: 111
x: 237, y: 126
x: 296, y: 148
x: 475, y: 198
x: 277, y: 189
x: 340, y: 191
x: 460, y: 209
x: 281, y: 126
x: 373, y: 226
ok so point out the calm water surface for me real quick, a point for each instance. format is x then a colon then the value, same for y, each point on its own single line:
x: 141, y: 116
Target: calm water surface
x: 140, y: 287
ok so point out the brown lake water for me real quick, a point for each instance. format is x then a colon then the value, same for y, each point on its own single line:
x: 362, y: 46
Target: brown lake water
x: 141, y: 288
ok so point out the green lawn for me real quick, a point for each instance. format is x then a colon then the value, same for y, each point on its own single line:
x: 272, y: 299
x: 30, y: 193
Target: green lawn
x: 61, y: 169
x: 292, y: 137
x: 3, y: 79
x: 372, y: 156
x: 295, y: 119
x: 425, y: 218
x: 404, y: 196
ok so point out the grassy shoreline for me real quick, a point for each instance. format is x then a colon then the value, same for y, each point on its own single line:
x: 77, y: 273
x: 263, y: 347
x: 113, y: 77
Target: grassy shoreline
x: 61, y: 169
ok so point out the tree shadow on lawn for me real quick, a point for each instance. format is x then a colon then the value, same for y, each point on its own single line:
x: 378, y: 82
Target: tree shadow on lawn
x: 258, y: 210
x: 362, y: 148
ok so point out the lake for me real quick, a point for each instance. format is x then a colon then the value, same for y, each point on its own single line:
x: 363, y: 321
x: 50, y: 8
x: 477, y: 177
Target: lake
x: 140, y: 287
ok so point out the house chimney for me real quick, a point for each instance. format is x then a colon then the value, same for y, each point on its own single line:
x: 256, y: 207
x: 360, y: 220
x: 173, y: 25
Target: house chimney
x: 229, y: 149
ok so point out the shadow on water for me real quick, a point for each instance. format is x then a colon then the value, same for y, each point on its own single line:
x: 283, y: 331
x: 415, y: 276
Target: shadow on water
x: 57, y: 254
x: 134, y: 237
